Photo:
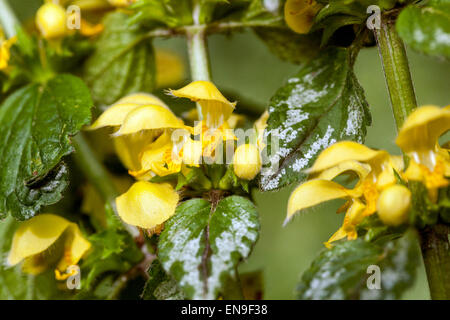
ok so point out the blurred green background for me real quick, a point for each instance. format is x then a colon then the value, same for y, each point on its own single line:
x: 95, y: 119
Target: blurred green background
x: 242, y: 63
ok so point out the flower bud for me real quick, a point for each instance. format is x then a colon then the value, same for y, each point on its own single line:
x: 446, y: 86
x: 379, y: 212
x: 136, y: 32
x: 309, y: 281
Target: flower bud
x: 247, y: 161
x: 51, y: 21
x: 299, y: 14
x: 393, y: 205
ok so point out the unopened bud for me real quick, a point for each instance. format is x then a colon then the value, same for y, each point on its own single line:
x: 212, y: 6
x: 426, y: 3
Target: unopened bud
x: 51, y: 21
x: 247, y: 161
x: 393, y: 205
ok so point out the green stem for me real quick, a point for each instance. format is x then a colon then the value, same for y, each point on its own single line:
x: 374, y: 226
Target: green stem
x: 198, y: 50
x: 434, y: 240
x: 396, y: 70
x: 8, y: 19
x: 435, y: 244
x: 97, y: 175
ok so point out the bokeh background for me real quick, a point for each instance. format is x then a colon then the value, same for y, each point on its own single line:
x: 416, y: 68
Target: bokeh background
x: 242, y: 63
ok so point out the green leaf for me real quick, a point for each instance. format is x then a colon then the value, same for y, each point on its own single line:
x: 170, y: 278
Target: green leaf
x: 426, y: 29
x: 15, y: 285
x: 202, y: 246
x: 289, y: 46
x: 342, y: 272
x: 321, y: 105
x: 122, y: 63
x: 36, y: 123
x: 160, y: 285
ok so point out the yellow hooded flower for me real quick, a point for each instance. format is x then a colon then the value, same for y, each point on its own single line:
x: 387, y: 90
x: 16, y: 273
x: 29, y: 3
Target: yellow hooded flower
x: 299, y: 14
x: 375, y: 172
x: 418, y: 138
x: 147, y: 205
x: 140, y: 119
x: 5, y: 46
x: 216, y: 109
x: 247, y: 161
x: 46, y: 241
x: 51, y: 20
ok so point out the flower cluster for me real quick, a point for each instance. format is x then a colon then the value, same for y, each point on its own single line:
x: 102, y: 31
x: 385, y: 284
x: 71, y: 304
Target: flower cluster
x: 381, y: 177
x: 153, y: 143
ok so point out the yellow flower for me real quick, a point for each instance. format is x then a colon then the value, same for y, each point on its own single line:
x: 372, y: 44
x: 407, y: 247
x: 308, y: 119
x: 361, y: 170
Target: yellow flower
x: 393, y: 205
x: 147, y: 205
x: 140, y: 119
x: 375, y: 172
x: 169, y: 68
x: 216, y: 109
x: 47, y: 241
x: 5, y: 55
x: 418, y: 138
x: 299, y: 14
x: 51, y: 21
x: 247, y: 161
x: 160, y: 158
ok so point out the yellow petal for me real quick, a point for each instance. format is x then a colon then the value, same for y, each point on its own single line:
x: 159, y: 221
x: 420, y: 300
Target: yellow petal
x: 149, y: 117
x: 313, y: 192
x: 215, y: 107
x: 247, y: 161
x: 147, y: 204
x: 299, y: 14
x: 113, y: 116
x: 88, y: 29
x: 422, y: 129
x: 169, y: 68
x: 361, y: 169
x: 35, y: 236
x: 345, y: 151
x: 75, y: 247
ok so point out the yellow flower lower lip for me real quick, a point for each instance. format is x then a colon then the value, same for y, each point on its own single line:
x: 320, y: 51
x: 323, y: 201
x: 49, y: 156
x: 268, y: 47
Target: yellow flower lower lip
x: 147, y: 205
x: 345, y: 151
x: 313, y: 192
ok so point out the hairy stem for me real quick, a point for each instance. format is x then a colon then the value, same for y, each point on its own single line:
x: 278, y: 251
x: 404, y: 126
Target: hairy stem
x: 97, y: 175
x: 435, y: 244
x: 434, y: 240
x: 198, y: 50
x: 396, y: 70
x: 8, y: 19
